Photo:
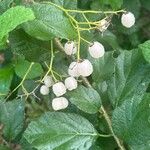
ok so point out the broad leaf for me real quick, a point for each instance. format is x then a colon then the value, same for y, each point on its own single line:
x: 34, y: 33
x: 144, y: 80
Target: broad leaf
x: 33, y: 49
x: 12, y: 18
x: 86, y: 99
x: 145, y: 47
x: 30, y: 70
x: 130, y: 71
x: 50, y: 22
x: 58, y: 131
x: 6, y: 75
x: 131, y: 120
x: 12, y: 117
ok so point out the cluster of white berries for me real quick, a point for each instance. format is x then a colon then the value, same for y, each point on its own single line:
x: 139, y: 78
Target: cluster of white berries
x: 80, y: 68
x: 48, y: 82
x: 59, y: 89
x: 84, y: 68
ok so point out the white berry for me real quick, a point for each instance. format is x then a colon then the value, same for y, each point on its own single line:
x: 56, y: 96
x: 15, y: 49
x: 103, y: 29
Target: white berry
x: 48, y: 81
x: 59, y: 89
x: 70, y: 48
x: 71, y: 83
x: 96, y: 50
x: 44, y: 90
x: 60, y: 103
x: 85, y: 68
x: 73, y: 69
x: 128, y: 19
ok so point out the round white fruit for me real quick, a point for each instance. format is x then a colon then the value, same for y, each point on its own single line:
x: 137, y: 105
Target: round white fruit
x: 71, y: 83
x: 70, y: 48
x: 128, y: 19
x: 48, y: 81
x: 96, y: 50
x: 73, y: 69
x: 85, y: 68
x: 59, y: 89
x: 60, y: 103
x: 44, y: 90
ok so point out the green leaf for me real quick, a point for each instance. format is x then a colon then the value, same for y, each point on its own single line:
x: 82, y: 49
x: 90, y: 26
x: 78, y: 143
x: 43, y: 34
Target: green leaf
x: 25, y: 145
x: 4, y: 5
x: 130, y: 71
x: 12, y: 18
x: 145, y: 4
x: 134, y: 6
x: 108, y: 38
x: 131, y: 122
x: 86, y: 99
x: 6, y: 75
x: 66, y: 4
x: 31, y: 70
x: 116, y: 4
x: 50, y: 22
x: 145, y: 47
x: 103, y: 4
x: 103, y: 67
x: 58, y: 131
x: 34, y: 50
x: 12, y: 117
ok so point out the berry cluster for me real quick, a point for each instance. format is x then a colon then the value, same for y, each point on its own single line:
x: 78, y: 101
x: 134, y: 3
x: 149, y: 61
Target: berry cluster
x: 59, y: 89
x: 78, y: 68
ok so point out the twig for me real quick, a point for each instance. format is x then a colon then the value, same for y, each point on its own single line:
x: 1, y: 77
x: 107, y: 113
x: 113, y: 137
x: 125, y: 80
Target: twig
x: 102, y: 109
x: 106, y: 116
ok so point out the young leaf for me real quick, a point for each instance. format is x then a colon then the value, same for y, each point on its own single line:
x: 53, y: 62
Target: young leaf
x: 131, y: 120
x: 12, y: 117
x: 56, y: 130
x: 10, y: 19
x: 86, y: 99
x: 31, y: 70
x: 6, y: 75
x: 50, y: 22
x: 145, y: 47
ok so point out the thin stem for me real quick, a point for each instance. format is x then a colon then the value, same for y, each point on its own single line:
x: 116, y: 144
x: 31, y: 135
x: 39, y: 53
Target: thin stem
x: 51, y: 63
x: 85, y: 40
x: 106, y: 116
x: 87, y: 29
x: 20, y: 84
x: 95, y: 12
x: 104, y: 135
x: 86, y: 19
